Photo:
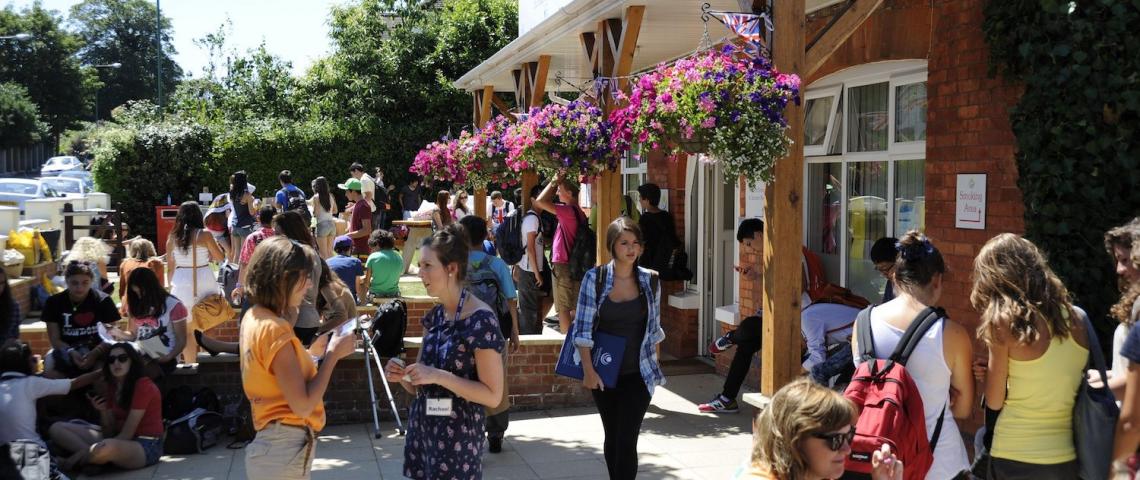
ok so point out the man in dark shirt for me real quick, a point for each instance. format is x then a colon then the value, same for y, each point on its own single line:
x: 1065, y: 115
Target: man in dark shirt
x: 883, y: 255
x: 360, y: 224
x: 658, y: 230
x: 73, y: 317
x: 410, y: 197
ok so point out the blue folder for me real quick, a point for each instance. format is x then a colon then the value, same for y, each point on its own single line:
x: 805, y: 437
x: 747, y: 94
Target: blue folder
x: 607, y: 352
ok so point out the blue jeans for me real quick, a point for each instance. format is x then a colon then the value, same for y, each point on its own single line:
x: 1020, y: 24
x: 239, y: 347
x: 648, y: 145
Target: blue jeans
x: 839, y: 362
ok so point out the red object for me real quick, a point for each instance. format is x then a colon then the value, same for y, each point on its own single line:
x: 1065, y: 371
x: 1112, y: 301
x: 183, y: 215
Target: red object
x: 148, y: 399
x: 164, y: 216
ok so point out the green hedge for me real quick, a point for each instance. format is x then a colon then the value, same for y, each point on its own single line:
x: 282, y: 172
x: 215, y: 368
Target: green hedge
x: 1077, y: 128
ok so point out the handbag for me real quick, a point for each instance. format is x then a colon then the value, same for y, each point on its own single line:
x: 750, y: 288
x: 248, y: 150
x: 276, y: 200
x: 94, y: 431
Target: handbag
x: 1094, y: 416
x: 213, y: 310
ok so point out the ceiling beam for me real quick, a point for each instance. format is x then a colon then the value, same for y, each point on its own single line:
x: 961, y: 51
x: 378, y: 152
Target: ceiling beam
x: 503, y: 108
x: 538, y: 81
x: 839, y: 32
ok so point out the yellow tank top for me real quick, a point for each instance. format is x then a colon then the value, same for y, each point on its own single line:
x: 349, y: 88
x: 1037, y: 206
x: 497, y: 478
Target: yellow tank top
x: 1036, y: 424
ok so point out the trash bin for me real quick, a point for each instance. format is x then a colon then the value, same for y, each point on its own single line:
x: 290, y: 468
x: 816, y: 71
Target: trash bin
x: 164, y: 216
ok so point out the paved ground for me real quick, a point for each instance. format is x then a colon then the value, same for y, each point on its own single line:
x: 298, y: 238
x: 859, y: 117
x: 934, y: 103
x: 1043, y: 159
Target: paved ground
x: 676, y: 442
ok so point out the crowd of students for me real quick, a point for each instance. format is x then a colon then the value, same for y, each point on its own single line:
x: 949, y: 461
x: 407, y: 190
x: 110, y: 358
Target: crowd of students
x: 298, y: 282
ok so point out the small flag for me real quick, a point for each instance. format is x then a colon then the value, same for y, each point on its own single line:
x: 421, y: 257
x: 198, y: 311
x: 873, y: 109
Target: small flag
x: 748, y: 27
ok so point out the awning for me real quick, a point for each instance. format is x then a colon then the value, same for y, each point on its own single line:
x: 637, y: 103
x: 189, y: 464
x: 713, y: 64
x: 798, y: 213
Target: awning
x: 670, y: 29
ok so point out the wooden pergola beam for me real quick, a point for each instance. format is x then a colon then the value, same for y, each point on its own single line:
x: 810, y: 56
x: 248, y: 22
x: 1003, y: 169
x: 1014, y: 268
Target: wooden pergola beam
x: 503, y: 108
x: 783, y: 212
x: 857, y: 13
x: 540, y: 72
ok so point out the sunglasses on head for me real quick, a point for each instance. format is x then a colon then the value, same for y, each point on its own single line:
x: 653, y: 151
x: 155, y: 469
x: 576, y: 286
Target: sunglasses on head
x: 120, y: 358
x: 835, y: 441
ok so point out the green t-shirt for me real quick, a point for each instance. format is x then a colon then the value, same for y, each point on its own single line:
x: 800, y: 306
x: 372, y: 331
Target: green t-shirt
x: 386, y: 267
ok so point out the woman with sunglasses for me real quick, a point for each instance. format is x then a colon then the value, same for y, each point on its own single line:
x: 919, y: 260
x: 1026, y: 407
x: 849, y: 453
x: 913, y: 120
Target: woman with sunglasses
x: 805, y: 434
x: 284, y: 385
x: 130, y: 436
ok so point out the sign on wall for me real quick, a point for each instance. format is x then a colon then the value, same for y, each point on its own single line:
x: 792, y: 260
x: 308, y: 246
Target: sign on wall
x: 970, y: 201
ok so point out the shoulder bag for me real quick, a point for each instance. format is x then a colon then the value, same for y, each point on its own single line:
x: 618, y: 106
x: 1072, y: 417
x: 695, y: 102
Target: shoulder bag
x: 213, y: 310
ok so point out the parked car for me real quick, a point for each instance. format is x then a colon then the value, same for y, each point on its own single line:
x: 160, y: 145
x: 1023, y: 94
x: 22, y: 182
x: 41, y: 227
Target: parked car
x: 15, y: 191
x: 54, y: 165
x: 67, y: 186
x: 84, y: 175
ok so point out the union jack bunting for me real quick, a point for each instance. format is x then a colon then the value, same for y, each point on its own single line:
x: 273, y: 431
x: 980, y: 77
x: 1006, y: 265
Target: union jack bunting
x: 748, y: 27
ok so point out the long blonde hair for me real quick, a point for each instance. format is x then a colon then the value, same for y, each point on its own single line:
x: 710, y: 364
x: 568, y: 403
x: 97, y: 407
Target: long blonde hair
x: 89, y: 249
x: 1014, y: 288
x: 798, y: 410
x: 1126, y: 236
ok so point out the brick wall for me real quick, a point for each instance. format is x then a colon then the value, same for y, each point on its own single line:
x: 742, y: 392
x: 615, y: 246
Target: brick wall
x: 22, y: 293
x: 968, y: 131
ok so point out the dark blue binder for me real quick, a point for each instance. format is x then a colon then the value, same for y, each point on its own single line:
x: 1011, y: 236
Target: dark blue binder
x: 607, y: 352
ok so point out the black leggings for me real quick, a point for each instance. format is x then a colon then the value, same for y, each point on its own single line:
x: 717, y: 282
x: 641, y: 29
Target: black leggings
x: 622, y: 409
x: 747, y: 338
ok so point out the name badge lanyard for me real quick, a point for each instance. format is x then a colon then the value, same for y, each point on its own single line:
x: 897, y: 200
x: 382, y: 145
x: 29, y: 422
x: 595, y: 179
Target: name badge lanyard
x: 442, y: 342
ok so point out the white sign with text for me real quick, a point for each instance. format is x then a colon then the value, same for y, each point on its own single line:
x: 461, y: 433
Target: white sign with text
x: 970, y: 201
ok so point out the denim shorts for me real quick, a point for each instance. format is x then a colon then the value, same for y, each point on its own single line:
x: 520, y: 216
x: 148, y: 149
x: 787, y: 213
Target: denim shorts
x: 326, y: 228
x: 241, y: 232
x: 152, y: 448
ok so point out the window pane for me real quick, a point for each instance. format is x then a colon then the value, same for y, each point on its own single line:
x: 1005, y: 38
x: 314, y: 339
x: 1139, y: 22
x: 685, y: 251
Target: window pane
x: 633, y: 158
x: 867, y: 118
x: 910, y: 196
x: 835, y: 147
x: 817, y: 112
x: 825, y: 194
x: 910, y: 112
x: 866, y: 223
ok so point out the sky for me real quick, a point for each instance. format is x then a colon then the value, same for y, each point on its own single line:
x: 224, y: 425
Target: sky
x: 295, y: 30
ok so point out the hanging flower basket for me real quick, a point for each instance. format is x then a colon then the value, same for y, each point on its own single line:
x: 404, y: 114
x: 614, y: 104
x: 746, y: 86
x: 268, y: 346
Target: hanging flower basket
x: 440, y: 160
x: 577, y: 136
x: 719, y: 102
x: 482, y: 155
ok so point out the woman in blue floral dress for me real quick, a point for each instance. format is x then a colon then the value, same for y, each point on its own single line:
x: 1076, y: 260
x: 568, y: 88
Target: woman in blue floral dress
x: 459, y: 370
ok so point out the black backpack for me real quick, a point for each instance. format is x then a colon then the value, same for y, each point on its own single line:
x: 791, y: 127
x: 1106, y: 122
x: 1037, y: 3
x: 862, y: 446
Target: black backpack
x: 388, y: 328
x: 483, y: 283
x: 298, y: 204
x: 194, y: 432
x: 508, y: 237
x: 584, y: 252
x: 177, y: 402
x: 547, y: 225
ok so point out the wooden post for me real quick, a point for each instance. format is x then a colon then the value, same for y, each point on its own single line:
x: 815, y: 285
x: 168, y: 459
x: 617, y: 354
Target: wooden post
x: 783, y: 227
x: 483, y: 116
x: 529, y: 180
x: 611, y: 50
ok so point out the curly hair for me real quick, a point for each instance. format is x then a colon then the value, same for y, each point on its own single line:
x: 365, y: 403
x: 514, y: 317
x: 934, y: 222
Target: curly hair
x: 1014, y: 288
x: 1125, y: 236
x: 797, y: 411
x: 89, y: 249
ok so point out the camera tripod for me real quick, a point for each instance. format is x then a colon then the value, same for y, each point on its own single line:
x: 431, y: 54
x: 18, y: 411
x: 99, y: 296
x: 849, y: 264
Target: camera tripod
x: 371, y: 355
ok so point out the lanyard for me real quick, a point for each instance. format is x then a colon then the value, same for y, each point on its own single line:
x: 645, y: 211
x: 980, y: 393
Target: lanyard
x: 442, y: 341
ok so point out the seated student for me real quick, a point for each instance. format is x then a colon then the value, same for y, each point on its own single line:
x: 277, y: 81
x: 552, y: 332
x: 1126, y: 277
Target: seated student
x: 140, y: 253
x: 152, y: 312
x: 19, y: 390
x: 130, y: 436
x: 825, y: 327
x: 346, y: 267
x: 883, y: 255
x: 384, y: 266
x: 73, y: 317
x: 335, y: 303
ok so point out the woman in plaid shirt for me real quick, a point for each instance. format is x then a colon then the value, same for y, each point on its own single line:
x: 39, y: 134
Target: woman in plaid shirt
x: 622, y: 300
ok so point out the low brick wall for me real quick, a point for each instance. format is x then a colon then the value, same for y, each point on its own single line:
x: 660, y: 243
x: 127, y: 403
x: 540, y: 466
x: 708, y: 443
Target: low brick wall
x: 22, y: 293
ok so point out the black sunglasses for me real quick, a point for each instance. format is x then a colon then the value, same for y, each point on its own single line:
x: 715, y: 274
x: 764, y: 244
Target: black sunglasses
x: 835, y: 441
x: 120, y: 358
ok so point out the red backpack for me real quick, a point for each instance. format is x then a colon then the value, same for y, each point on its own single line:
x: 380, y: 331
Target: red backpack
x: 890, y: 406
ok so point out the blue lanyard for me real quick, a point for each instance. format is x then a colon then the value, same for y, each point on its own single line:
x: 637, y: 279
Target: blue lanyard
x: 442, y: 341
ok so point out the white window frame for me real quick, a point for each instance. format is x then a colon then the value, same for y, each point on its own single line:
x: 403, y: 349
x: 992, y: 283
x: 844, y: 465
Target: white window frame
x: 833, y: 92
x: 894, y: 74
x: 641, y: 170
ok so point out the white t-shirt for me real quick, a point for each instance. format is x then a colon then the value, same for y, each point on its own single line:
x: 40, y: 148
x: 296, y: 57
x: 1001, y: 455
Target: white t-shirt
x: 530, y: 224
x: 18, y: 395
x: 368, y: 189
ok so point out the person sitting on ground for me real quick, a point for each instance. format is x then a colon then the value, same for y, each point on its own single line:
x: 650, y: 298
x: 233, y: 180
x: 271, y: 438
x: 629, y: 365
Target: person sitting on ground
x: 805, y: 433
x: 130, y: 436
x: 72, y: 318
x: 346, y: 267
x: 20, y: 389
x: 10, y: 318
x: 140, y: 253
x: 336, y: 303
x: 384, y: 266
x: 151, y: 312
x: 883, y: 255
x: 96, y: 253
x: 825, y: 328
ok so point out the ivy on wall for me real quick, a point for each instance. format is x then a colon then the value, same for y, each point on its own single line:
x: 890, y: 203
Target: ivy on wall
x: 1077, y: 127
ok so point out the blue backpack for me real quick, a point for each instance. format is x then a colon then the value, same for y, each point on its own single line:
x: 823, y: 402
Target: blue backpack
x: 483, y: 282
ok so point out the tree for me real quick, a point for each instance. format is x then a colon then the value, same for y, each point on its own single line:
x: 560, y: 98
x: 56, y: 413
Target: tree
x: 46, y: 65
x: 124, y: 31
x: 19, y: 117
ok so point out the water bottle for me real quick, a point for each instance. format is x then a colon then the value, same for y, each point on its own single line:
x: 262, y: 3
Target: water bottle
x: 168, y: 202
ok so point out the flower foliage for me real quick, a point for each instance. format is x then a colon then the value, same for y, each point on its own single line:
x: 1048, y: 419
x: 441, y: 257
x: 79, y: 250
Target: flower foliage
x: 473, y: 160
x: 576, y: 136
x: 440, y: 160
x: 720, y: 101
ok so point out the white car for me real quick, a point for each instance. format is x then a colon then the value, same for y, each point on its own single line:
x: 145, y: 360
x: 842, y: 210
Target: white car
x: 15, y: 191
x: 55, y: 165
x: 67, y: 186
